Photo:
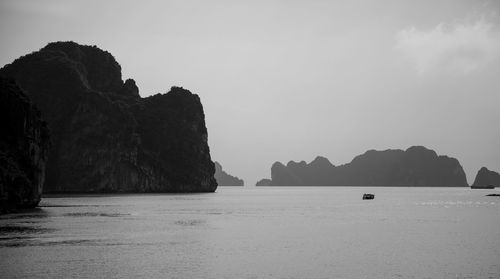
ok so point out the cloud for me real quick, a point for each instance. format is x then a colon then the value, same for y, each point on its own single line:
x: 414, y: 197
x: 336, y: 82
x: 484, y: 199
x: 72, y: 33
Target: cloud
x: 454, y: 48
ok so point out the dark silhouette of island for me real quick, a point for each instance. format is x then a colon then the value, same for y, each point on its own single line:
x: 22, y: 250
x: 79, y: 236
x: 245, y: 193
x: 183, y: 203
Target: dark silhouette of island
x: 263, y: 182
x: 225, y: 179
x: 486, y: 177
x: 24, y: 146
x: 417, y: 166
x: 105, y: 137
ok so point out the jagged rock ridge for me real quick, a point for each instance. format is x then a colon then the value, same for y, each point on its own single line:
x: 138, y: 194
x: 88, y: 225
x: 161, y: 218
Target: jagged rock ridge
x: 417, y: 166
x: 225, y: 179
x: 486, y: 177
x: 106, y: 138
x: 24, y: 147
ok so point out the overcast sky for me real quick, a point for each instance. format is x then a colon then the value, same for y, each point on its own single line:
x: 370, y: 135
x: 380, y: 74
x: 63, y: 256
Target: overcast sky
x: 290, y: 80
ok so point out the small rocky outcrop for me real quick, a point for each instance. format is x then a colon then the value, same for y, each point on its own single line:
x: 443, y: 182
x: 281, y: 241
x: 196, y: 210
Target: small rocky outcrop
x: 225, y: 179
x: 417, y: 166
x: 106, y: 138
x: 486, y: 177
x: 24, y: 147
x: 263, y: 182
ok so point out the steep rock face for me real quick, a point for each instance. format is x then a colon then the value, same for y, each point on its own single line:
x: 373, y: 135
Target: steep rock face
x: 225, y: 179
x: 417, y: 166
x: 23, y: 149
x: 106, y: 138
x: 486, y: 177
x: 175, y: 140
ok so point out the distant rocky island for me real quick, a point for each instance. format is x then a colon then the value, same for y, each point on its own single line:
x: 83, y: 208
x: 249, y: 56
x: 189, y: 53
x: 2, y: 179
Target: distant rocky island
x: 486, y: 178
x: 225, y: 179
x: 105, y: 137
x: 264, y: 182
x: 416, y: 166
x: 24, y: 147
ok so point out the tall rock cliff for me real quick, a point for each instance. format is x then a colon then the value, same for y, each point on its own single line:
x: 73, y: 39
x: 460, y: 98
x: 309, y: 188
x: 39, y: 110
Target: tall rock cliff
x: 486, y: 177
x: 417, y: 166
x: 225, y: 179
x: 106, y: 138
x: 24, y: 146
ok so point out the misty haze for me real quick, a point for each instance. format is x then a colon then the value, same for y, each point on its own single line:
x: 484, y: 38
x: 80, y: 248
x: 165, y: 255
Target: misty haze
x: 250, y: 139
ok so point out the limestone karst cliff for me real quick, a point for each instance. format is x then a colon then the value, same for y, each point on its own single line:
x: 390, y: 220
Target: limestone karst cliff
x: 24, y: 146
x: 106, y: 138
x: 417, y: 166
x: 225, y: 179
x: 486, y: 177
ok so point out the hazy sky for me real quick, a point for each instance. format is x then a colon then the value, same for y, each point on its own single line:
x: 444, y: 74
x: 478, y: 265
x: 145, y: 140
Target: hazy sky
x: 289, y: 80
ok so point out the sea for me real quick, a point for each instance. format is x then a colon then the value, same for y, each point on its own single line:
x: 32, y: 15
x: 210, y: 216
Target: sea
x: 258, y: 232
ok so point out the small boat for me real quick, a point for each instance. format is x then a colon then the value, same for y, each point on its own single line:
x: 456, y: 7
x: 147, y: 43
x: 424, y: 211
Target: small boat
x: 368, y: 196
x: 483, y: 187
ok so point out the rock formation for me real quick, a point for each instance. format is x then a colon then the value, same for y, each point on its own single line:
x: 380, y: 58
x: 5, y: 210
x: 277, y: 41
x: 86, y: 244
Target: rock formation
x: 225, y: 179
x: 263, y: 182
x: 106, y: 138
x: 24, y: 147
x: 487, y: 177
x: 417, y: 166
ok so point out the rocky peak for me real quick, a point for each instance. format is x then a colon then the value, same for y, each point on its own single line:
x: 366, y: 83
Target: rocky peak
x: 100, y: 68
x: 320, y: 161
x: 129, y: 89
x: 486, y: 177
x: 420, y: 153
x: 277, y: 165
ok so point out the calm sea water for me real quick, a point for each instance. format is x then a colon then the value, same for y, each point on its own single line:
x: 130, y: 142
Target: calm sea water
x: 271, y: 232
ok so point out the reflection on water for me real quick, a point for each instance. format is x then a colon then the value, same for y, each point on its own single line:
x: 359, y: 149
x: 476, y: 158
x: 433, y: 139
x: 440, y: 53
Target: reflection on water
x: 258, y: 233
x: 72, y: 205
x: 189, y: 222
x: 26, y: 214
x: 94, y: 214
x: 20, y: 230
